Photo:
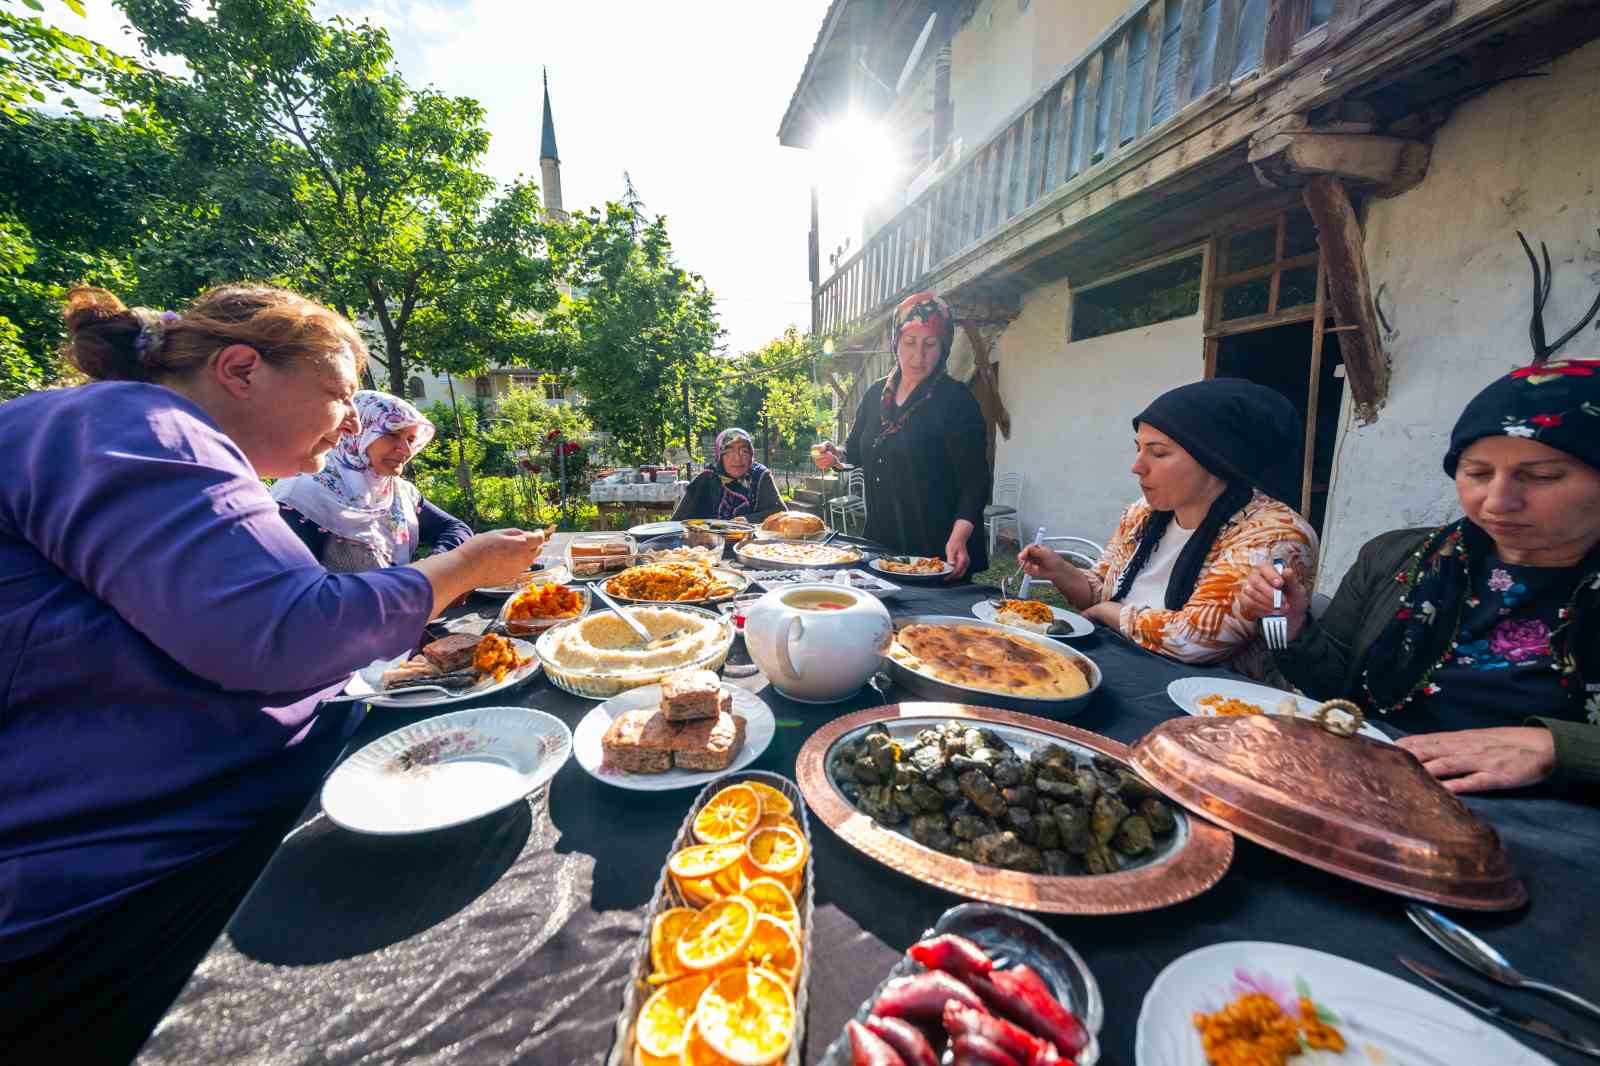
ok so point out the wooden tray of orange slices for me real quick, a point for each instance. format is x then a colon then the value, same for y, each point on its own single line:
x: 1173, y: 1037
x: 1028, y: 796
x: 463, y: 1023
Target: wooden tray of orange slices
x: 720, y: 973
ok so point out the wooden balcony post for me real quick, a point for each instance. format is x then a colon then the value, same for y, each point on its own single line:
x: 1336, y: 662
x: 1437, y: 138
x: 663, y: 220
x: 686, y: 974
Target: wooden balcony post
x: 1156, y: 26
x: 1091, y: 112
x: 1066, y: 165
x: 1350, y: 291
x: 1119, y: 90
x: 1188, y: 49
x: 1286, y: 23
x: 1024, y: 172
x: 1228, y: 12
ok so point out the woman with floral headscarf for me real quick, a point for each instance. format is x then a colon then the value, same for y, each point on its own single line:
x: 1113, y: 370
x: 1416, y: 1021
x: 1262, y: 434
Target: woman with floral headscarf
x: 920, y: 439
x: 733, y: 485
x: 1481, y: 638
x: 358, y: 513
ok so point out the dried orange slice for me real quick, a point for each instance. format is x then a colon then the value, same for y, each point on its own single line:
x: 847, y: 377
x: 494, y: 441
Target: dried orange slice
x: 778, y: 819
x: 729, y: 816
x: 664, y: 933
x: 747, y: 1015
x: 696, y: 1052
x: 718, y: 934
x: 641, y: 1057
x: 772, y: 801
x: 665, y: 1016
x: 771, y: 897
x: 699, y: 861
x: 699, y: 892
x: 774, y: 947
x: 776, y: 851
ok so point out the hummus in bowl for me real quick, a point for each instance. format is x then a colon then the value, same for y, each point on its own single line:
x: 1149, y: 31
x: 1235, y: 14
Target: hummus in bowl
x: 598, y: 656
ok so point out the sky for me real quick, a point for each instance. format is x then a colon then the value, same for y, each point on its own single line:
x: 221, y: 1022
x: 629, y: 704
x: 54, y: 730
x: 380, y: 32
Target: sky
x: 683, y: 95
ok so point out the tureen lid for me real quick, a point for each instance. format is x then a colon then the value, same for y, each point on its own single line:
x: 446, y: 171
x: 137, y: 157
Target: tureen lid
x: 1349, y: 805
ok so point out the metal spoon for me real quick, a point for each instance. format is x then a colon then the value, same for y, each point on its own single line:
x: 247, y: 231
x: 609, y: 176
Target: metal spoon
x: 1005, y: 580
x: 880, y: 682
x: 647, y: 642
x: 1471, y: 949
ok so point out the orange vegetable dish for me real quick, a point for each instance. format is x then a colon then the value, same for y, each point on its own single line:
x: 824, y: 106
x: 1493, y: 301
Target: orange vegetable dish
x: 669, y: 582
x: 544, y: 601
x: 1032, y: 610
x: 497, y: 656
x: 1228, y: 707
x: 1254, y: 1031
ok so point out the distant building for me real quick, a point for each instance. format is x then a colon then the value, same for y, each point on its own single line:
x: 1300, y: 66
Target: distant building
x: 425, y: 387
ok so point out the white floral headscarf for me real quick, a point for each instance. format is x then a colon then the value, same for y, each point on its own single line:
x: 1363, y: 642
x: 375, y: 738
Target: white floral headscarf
x: 349, y: 499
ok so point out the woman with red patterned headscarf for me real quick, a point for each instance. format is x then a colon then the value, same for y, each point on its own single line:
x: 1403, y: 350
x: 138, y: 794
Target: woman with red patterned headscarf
x: 919, y: 438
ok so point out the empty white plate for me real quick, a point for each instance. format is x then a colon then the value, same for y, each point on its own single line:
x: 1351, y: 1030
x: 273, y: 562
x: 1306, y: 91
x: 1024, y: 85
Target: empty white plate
x: 446, y: 770
x: 759, y: 726
x: 1187, y: 692
x: 1383, y: 1019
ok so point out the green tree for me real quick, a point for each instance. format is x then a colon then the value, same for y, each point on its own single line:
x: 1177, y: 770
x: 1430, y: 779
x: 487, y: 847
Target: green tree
x: 636, y: 330
x: 370, y: 189
x: 773, y: 389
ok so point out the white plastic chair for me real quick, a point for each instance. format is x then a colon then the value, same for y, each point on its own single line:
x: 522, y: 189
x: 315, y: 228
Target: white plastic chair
x: 1079, y: 551
x: 1006, y: 507
x: 852, y: 503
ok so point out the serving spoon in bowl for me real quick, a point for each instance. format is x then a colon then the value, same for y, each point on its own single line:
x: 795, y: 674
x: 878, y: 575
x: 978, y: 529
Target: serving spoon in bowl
x: 647, y: 641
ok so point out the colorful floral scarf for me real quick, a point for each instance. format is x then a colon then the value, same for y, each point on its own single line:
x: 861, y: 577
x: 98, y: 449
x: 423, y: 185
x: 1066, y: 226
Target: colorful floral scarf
x: 929, y: 312
x: 348, y: 499
x: 738, y: 493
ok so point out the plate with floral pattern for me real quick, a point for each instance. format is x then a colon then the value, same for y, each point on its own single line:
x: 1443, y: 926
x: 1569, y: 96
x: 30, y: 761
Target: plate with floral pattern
x: 446, y: 771
x: 1379, y: 1019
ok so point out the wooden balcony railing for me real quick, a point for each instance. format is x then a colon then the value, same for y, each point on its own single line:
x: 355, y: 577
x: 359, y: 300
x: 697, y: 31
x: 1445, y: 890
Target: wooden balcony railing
x: 1144, y: 69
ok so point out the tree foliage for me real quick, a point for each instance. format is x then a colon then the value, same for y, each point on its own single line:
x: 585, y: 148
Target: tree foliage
x: 636, y: 330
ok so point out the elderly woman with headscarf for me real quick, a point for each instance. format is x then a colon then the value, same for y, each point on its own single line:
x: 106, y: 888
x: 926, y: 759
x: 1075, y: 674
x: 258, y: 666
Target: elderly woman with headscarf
x: 358, y: 513
x: 919, y: 437
x: 1480, y: 638
x: 1214, y: 460
x: 733, y: 485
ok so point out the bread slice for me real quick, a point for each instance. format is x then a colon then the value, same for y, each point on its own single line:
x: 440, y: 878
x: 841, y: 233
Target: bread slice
x: 708, y: 743
x: 690, y: 694
x: 639, y: 742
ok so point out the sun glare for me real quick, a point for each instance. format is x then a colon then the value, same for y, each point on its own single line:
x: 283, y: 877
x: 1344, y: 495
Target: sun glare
x: 859, y: 151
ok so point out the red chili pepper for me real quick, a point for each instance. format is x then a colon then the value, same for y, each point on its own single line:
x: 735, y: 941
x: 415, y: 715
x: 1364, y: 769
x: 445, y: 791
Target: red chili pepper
x: 972, y: 1050
x: 869, y: 1049
x: 905, y: 1038
x: 1012, y: 1039
x: 953, y: 954
x: 922, y: 996
x: 1022, y: 995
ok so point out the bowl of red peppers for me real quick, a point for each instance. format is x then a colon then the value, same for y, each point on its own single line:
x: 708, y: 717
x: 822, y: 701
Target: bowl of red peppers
x: 987, y: 984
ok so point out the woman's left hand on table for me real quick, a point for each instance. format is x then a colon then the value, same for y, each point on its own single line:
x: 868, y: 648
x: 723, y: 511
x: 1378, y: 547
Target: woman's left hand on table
x: 1106, y: 614
x: 1482, y: 760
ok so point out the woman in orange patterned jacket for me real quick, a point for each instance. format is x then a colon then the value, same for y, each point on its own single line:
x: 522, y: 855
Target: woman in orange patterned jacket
x: 1215, y: 460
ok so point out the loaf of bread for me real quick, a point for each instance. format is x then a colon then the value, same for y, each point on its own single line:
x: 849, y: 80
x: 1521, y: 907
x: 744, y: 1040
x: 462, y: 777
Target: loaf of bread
x: 793, y: 524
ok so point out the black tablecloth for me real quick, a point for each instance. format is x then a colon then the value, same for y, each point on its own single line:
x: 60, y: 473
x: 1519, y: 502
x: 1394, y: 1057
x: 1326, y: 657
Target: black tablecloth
x: 509, y: 939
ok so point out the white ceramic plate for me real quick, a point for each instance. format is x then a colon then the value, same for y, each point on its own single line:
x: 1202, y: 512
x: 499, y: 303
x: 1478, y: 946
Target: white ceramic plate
x: 446, y: 770
x: 365, y: 684
x: 758, y: 729
x: 1383, y: 1019
x: 655, y: 529
x: 1187, y: 691
x: 1081, y: 626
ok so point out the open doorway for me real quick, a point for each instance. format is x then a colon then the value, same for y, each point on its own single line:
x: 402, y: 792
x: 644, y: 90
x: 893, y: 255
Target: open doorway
x: 1280, y: 357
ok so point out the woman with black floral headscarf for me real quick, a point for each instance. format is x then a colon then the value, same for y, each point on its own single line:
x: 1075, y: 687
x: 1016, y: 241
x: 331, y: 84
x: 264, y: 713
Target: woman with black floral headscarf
x: 733, y: 485
x: 919, y: 438
x: 1481, y: 638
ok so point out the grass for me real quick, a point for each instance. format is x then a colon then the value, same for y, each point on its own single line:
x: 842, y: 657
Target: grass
x: 1004, y: 565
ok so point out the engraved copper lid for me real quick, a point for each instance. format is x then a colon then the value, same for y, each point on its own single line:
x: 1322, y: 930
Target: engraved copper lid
x: 1345, y: 804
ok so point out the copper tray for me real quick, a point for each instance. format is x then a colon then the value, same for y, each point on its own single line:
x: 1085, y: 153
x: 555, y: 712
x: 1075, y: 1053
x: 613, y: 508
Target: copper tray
x: 1193, y: 863
x: 1348, y: 805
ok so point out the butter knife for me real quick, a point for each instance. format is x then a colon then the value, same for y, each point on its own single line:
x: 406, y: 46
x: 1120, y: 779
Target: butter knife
x: 1482, y: 1003
x: 1479, y: 954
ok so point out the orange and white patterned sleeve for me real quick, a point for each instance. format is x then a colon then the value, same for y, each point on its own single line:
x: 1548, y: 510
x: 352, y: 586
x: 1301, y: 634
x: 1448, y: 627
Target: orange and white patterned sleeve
x: 1211, y: 627
x: 1103, y: 575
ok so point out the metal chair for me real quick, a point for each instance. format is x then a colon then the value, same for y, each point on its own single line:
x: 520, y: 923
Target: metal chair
x: 1006, y: 507
x: 853, y: 502
x: 1079, y: 551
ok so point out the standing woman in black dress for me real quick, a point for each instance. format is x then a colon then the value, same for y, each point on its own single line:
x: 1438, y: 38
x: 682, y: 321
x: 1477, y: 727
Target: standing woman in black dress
x: 919, y: 438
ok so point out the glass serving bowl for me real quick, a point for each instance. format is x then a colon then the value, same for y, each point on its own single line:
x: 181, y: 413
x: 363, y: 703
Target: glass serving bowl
x: 601, y: 683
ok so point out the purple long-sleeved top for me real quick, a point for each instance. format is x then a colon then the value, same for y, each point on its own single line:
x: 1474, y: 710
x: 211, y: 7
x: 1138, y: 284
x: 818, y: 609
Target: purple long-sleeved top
x: 165, y: 640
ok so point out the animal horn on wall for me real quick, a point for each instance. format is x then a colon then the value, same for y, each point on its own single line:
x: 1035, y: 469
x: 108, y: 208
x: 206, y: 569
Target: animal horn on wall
x: 1541, y: 292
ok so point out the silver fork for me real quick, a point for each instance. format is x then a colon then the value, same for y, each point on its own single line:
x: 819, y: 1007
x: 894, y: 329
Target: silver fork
x: 1275, y: 627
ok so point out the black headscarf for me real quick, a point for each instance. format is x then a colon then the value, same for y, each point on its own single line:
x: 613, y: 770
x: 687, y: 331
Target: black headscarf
x: 1246, y: 434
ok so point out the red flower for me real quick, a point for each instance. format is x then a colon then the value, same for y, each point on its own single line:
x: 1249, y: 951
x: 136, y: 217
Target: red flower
x: 1403, y: 613
x: 1546, y: 420
x: 569, y: 448
x: 553, y: 434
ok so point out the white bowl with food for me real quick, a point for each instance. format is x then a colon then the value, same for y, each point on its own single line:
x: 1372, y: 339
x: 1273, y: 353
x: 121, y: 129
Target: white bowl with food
x: 599, y: 655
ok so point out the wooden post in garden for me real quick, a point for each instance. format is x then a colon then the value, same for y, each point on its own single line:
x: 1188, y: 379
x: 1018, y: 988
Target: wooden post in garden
x: 463, y: 471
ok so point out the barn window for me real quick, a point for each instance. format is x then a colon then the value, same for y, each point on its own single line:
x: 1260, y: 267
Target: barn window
x: 1141, y: 297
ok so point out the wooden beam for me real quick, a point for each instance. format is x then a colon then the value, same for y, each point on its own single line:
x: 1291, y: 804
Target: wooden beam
x: 1285, y: 160
x: 1286, y: 21
x: 1188, y: 47
x: 1025, y: 171
x: 1308, y: 458
x: 1350, y: 292
x: 1155, y: 30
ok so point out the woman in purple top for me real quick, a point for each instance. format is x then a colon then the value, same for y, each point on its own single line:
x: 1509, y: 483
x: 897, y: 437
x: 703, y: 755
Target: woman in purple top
x: 166, y: 642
